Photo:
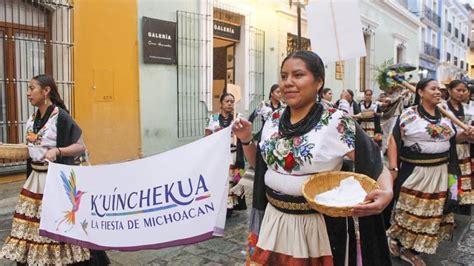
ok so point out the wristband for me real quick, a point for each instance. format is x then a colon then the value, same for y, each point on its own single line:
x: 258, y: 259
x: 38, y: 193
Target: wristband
x: 60, y: 154
x: 246, y: 143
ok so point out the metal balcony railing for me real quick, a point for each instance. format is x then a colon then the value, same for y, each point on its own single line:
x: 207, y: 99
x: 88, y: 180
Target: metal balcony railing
x: 431, y: 50
x: 432, y: 16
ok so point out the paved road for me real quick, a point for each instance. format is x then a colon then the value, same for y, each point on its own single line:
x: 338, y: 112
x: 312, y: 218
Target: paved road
x: 229, y: 250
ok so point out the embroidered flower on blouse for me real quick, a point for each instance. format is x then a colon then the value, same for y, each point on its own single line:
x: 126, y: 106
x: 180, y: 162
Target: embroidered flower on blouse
x: 325, y: 117
x: 34, y: 138
x: 439, y: 131
x: 346, y: 128
x: 289, y: 154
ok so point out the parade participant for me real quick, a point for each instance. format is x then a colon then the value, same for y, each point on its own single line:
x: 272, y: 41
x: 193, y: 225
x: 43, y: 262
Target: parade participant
x: 421, y: 139
x: 236, y: 198
x: 325, y: 98
x: 458, y: 91
x: 274, y: 97
x: 445, y: 93
x: 51, y: 135
x: 302, y: 139
x: 347, y: 104
x: 371, y: 124
x: 273, y: 103
x: 395, y: 102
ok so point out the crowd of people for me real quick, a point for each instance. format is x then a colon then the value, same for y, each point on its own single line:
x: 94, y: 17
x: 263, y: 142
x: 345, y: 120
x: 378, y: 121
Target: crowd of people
x: 419, y: 158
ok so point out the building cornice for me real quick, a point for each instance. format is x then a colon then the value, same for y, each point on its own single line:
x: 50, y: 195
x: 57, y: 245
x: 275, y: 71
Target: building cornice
x: 400, y: 37
x: 401, y: 11
x: 367, y: 21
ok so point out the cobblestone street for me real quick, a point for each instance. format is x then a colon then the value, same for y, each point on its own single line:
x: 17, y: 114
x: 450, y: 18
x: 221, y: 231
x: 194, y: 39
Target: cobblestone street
x: 230, y: 249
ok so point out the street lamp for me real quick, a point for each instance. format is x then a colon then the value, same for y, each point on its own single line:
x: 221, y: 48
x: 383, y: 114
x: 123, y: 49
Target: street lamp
x: 299, y: 4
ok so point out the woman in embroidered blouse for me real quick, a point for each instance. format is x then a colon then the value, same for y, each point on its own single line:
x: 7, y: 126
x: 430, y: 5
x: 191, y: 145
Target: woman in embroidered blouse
x: 302, y: 139
x: 458, y: 92
x: 273, y: 103
x: 236, y: 198
x: 422, y: 139
x: 371, y: 125
x: 51, y: 134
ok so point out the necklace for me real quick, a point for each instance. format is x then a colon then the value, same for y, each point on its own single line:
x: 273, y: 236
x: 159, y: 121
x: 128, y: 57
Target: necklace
x: 288, y: 130
x: 39, y: 121
x: 458, y: 113
x: 430, y: 118
x: 225, y: 121
x: 367, y: 107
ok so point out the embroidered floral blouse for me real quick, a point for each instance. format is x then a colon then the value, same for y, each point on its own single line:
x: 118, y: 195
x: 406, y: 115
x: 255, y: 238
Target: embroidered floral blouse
x: 291, y: 161
x: 41, y: 142
x: 423, y: 136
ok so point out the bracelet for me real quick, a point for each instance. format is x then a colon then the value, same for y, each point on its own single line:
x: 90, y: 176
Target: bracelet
x: 60, y: 154
x: 246, y: 143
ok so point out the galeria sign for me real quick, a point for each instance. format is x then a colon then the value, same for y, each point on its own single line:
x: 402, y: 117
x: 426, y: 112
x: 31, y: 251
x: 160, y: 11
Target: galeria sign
x: 174, y: 198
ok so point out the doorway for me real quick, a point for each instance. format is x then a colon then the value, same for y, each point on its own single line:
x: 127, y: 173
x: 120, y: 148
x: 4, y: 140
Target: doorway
x: 223, y: 70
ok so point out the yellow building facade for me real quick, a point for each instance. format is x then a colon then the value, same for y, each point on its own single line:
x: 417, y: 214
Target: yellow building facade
x: 106, y: 95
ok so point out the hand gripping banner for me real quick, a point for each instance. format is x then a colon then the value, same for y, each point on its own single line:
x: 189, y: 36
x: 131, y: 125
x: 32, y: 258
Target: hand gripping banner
x: 174, y: 198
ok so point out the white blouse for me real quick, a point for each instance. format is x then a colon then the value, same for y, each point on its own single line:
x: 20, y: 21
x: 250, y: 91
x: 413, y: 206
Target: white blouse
x: 291, y: 161
x: 423, y: 136
x: 45, y: 139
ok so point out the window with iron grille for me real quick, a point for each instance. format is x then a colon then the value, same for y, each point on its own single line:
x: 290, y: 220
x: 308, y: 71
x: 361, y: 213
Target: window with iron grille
x: 256, y: 73
x: 36, y: 38
x: 194, y: 44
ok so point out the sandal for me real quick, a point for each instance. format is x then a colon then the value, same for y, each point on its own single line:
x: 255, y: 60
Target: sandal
x: 410, y: 257
x: 393, y: 247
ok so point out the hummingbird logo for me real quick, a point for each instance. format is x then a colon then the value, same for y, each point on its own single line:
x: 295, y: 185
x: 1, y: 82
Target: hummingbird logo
x: 74, y: 197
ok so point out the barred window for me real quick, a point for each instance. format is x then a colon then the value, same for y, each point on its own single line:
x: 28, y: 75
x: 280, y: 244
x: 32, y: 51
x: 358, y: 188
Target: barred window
x: 35, y: 39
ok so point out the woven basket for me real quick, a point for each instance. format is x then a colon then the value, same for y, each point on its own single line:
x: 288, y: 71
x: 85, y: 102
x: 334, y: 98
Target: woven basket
x: 14, y: 151
x: 367, y: 114
x: 325, y: 181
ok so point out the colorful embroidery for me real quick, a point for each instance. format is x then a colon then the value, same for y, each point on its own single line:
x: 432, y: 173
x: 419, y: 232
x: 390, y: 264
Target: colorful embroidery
x: 408, y: 117
x: 276, y: 117
x: 34, y: 138
x: 325, y: 117
x: 290, y: 154
x: 346, y: 128
x: 439, y: 132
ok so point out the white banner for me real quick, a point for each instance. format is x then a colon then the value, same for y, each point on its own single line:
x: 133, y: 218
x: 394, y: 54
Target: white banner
x: 335, y: 29
x: 174, y: 198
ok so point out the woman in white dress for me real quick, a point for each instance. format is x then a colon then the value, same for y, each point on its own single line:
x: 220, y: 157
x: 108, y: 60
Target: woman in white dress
x: 418, y: 155
x: 296, y: 142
